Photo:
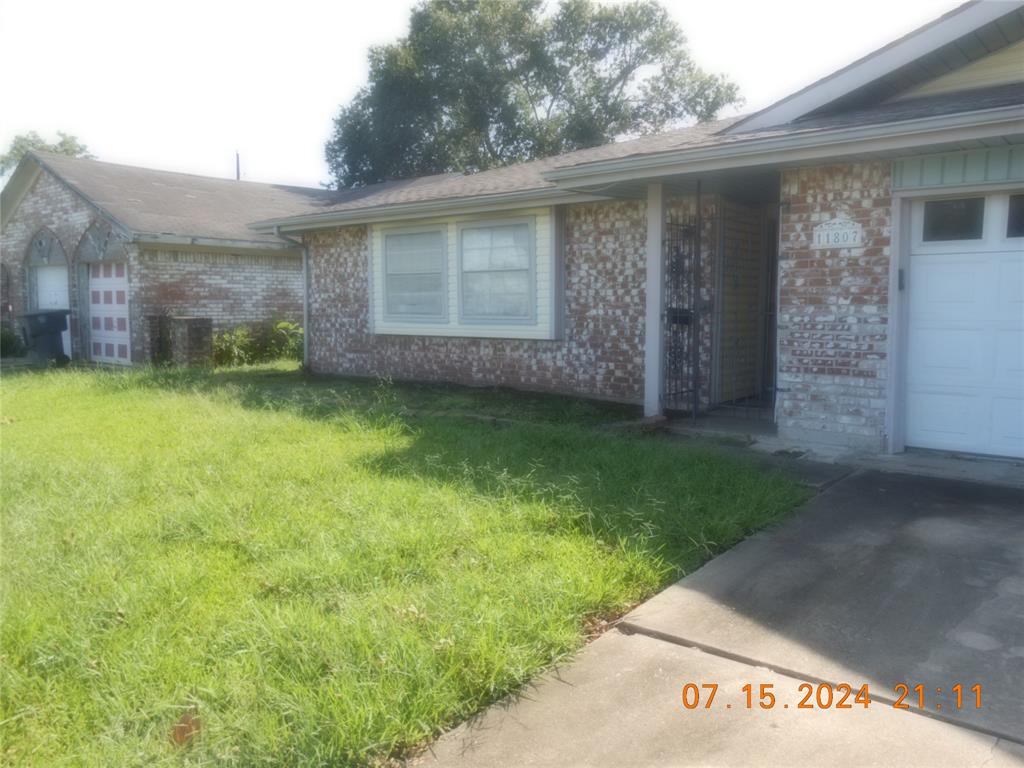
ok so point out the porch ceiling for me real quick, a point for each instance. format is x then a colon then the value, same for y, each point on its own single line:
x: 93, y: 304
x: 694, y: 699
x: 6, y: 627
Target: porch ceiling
x: 753, y: 185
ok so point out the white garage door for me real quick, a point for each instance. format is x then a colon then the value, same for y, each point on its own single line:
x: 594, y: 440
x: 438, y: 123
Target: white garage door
x: 52, y: 293
x: 965, y: 346
x: 108, y: 313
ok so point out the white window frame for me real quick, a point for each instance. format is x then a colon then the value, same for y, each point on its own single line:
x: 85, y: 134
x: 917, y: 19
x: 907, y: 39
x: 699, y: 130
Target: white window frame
x: 416, y: 318
x: 531, y: 271
x: 547, y: 278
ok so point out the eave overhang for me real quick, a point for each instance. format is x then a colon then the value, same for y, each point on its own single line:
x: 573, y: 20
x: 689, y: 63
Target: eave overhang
x: 448, y: 206
x: 226, y: 245
x: 792, y: 148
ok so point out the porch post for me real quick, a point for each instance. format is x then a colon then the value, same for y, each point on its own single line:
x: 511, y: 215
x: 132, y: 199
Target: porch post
x: 653, y: 339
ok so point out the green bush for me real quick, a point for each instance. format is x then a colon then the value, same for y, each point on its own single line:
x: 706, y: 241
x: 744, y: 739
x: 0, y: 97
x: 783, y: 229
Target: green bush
x: 259, y: 343
x: 11, y: 346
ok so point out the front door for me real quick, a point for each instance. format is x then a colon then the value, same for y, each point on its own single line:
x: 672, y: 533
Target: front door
x: 109, y: 336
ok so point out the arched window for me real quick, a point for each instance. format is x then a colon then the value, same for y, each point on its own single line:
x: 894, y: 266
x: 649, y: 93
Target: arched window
x: 45, y: 250
x: 47, y: 271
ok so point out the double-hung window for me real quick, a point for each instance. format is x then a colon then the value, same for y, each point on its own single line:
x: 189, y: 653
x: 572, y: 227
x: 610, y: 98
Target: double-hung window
x: 465, y: 276
x: 415, y: 283
x: 496, y: 263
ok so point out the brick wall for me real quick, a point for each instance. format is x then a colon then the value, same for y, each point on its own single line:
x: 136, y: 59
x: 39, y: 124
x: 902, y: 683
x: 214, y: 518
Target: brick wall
x: 600, y: 354
x: 833, y: 308
x: 229, y: 288
x: 47, y: 204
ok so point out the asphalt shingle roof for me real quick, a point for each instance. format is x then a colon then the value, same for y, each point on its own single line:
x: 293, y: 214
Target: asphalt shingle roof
x: 163, y: 202
x: 529, y: 176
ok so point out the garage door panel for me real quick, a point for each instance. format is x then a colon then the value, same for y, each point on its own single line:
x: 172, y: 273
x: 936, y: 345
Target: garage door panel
x: 1011, y: 281
x: 1010, y: 296
x: 945, y: 419
x: 950, y: 286
x: 944, y: 356
x: 1009, y: 358
x: 1008, y: 425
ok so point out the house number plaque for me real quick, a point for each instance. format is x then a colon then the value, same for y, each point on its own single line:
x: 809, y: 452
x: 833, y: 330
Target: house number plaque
x: 840, y: 232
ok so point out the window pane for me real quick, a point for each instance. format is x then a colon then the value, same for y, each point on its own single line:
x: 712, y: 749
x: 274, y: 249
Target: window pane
x: 502, y: 247
x: 415, y: 294
x: 414, y: 273
x: 954, y: 219
x: 1015, y: 221
x: 414, y: 252
x: 496, y: 294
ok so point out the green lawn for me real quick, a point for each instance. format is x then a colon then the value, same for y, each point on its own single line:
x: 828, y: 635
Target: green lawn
x: 327, y: 572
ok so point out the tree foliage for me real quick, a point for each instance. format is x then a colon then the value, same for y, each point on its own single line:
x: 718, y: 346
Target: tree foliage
x: 66, y: 144
x: 478, y: 84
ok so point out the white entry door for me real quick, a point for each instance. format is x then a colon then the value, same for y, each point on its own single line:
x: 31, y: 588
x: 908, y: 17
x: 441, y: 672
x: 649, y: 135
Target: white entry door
x: 965, y: 345
x: 52, y: 293
x: 109, y: 335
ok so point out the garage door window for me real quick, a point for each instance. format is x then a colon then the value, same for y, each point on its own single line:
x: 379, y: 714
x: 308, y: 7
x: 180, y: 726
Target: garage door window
x: 1015, y: 220
x: 960, y: 219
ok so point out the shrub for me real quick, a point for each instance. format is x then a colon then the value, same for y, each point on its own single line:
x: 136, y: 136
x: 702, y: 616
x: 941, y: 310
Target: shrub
x: 11, y: 346
x: 289, y: 337
x: 258, y: 343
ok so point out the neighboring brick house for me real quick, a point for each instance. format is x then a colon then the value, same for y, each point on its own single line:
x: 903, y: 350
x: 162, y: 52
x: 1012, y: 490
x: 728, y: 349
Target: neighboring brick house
x: 846, y: 263
x: 116, y: 244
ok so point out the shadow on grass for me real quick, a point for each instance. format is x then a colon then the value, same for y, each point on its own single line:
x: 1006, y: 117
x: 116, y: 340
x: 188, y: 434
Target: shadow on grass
x: 677, y: 503
x: 283, y: 387
x: 542, y: 460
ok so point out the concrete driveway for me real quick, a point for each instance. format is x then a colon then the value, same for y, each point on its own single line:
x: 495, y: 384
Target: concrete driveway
x: 882, y: 579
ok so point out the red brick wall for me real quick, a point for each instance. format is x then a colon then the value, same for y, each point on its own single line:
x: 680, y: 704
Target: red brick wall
x: 229, y: 288
x: 600, y: 354
x: 833, y: 307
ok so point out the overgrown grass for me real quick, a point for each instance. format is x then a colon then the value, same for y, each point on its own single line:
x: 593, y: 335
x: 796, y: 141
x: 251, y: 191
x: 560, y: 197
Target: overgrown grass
x: 323, y: 572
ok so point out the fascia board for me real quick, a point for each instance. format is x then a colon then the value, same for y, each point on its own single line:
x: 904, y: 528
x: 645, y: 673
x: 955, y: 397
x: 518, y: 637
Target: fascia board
x: 420, y: 210
x: 775, y: 150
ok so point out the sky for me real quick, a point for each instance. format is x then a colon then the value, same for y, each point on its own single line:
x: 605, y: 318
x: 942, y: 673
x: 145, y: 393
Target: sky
x: 182, y: 85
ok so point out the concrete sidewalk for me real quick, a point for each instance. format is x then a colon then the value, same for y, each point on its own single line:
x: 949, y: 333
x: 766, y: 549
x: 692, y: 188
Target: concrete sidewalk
x: 881, y: 578
x: 618, y: 704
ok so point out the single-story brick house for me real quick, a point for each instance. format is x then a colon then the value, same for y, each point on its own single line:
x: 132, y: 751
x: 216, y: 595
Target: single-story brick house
x: 847, y: 262
x: 116, y: 244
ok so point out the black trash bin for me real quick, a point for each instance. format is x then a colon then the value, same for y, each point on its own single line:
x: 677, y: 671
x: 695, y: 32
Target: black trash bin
x: 42, y: 331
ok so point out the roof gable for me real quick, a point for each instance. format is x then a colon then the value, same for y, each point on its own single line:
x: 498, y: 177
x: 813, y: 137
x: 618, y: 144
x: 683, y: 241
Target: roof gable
x: 17, y: 186
x: 163, y: 206
x: 960, y: 37
x: 1003, y: 67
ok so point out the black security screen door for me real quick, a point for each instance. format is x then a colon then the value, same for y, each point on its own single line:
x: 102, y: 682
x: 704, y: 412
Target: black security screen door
x: 681, y: 320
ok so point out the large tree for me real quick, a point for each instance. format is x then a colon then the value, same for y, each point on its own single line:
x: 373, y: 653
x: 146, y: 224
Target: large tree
x: 483, y: 83
x: 66, y: 144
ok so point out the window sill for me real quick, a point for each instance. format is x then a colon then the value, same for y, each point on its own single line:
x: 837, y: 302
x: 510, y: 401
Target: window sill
x: 488, y: 331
